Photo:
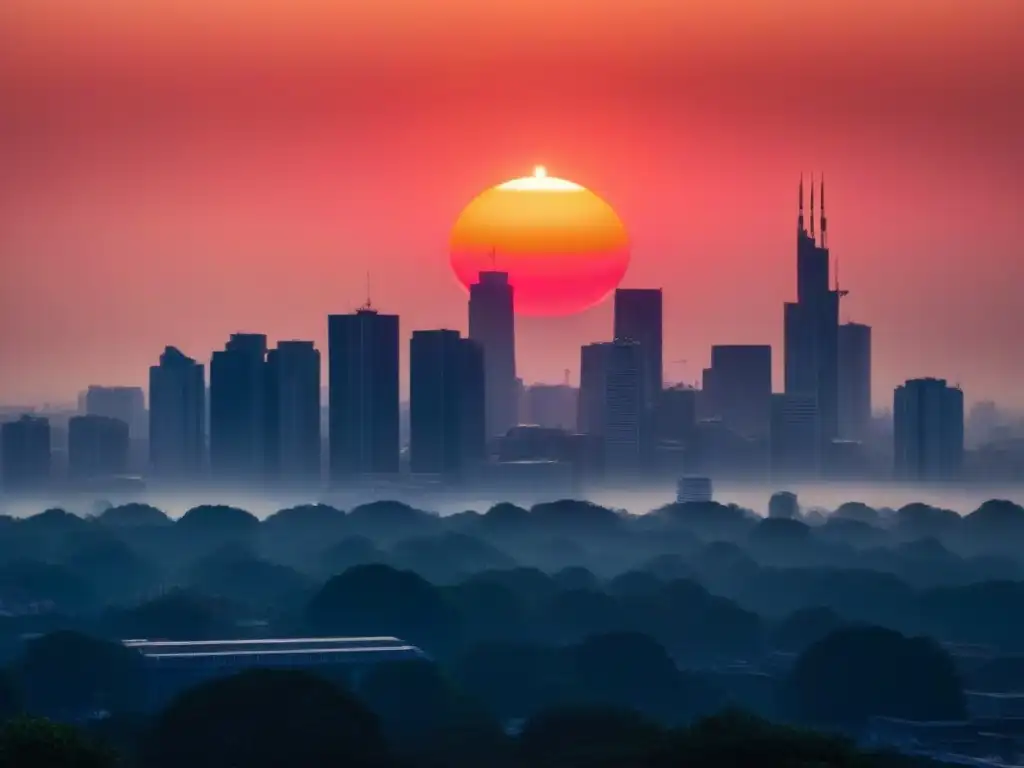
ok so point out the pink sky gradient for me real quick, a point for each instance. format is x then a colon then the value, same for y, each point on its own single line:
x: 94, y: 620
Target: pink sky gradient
x: 175, y: 172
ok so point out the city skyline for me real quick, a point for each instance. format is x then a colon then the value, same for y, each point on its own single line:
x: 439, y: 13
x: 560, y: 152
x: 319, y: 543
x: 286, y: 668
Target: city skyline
x: 135, y: 191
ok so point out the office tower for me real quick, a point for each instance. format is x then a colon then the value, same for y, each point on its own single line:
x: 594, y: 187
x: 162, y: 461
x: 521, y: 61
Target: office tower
x: 293, y: 413
x: 97, y: 447
x: 492, y: 326
x: 676, y: 415
x: 795, y: 430
x: 738, y: 387
x: 177, y: 414
x: 854, y: 381
x: 447, y: 407
x: 238, y: 410
x: 25, y: 454
x: 127, y: 404
x: 363, y: 394
x: 638, y: 318
x: 593, y: 376
x: 928, y: 430
x: 551, y: 405
x: 812, y: 324
x: 624, y: 408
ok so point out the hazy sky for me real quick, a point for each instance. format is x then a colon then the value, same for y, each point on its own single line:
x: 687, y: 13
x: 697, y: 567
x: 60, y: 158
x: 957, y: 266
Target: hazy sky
x: 172, y: 171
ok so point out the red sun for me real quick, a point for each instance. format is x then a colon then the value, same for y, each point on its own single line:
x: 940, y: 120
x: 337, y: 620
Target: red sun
x: 563, y: 247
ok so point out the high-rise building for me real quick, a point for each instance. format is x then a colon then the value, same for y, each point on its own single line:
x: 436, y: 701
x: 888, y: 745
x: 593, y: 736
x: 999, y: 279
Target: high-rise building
x: 177, y: 414
x: 25, y: 454
x: 928, y: 430
x: 738, y: 387
x: 812, y: 324
x: 854, y: 381
x: 238, y: 410
x: 127, y: 404
x: 638, y: 318
x: 492, y: 326
x: 363, y: 394
x: 625, y: 409
x: 97, y: 447
x: 551, y: 405
x: 447, y: 410
x: 795, y: 430
x: 676, y: 416
x: 293, y: 413
x: 590, y: 412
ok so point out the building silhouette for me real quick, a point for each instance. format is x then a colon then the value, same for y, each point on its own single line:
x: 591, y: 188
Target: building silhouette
x: 638, y: 318
x: 238, y: 410
x: 97, y: 447
x: 25, y: 454
x: 127, y: 404
x: 447, y: 408
x: 625, y: 409
x: 551, y: 405
x: 928, y: 430
x: 362, y: 394
x: 590, y: 412
x: 812, y: 324
x: 795, y: 429
x: 293, y: 413
x: 854, y: 381
x: 492, y: 326
x: 177, y: 415
x: 738, y: 388
x: 676, y: 416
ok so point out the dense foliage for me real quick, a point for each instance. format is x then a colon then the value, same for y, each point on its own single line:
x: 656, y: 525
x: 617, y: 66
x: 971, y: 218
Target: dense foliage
x: 567, y: 618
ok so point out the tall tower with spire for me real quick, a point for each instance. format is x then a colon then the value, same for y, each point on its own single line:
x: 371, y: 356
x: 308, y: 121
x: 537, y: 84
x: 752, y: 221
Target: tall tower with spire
x: 812, y: 321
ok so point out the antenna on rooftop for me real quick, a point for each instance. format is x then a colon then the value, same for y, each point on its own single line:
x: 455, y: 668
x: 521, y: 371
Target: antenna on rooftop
x: 369, y: 302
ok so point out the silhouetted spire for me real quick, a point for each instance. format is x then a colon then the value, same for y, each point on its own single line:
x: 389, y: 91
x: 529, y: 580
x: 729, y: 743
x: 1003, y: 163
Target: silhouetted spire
x: 812, y: 206
x: 824, y: 221
x: 800, y: 219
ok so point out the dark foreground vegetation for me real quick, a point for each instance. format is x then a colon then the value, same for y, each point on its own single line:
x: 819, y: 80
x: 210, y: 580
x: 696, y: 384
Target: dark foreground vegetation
x: 565, y: 635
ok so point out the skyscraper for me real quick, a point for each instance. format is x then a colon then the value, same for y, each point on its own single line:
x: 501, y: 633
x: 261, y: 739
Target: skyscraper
x: 492, y: 326
x: 447, y: 403
x: 795, y: 437
x: 238, y: 410
x: 812, y: 324
x: 625, y: 409
x: 590, y: 414
x: 854, y: 381
x: 127, y: 404
x: 177, y: 413
x: 293, y: 417
x: 638, y: 318
x: 928, y: 430
x: 551, y: 405
x: 25, y: 454
x: 97, y: 447
x: 363, y: 394
x: 739, y: 387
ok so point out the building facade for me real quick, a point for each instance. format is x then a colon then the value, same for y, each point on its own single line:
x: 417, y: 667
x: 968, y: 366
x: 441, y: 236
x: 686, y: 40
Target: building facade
x: 25, y: 456
x: 293, y: 423
x: 363, y: 394
x: 854, y: 381
x: 447, y: 410
x: 928, y: 431
x: 238, y: 410
x: 638, y: 318
x: 492, y: 326
x: 97, y: 448
x: 738, y: 388
x: 177, y: 416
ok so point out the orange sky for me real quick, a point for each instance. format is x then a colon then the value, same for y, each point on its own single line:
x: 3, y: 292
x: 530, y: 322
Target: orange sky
x: 176, y: 171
